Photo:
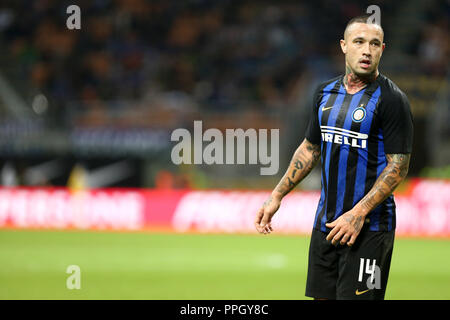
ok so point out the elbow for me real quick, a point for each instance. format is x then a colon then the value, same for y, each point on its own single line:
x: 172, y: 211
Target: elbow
x: 403, y: 172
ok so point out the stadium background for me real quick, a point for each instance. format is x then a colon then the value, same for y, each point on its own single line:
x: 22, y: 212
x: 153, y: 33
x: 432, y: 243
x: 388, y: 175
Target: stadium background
x: 86, y: 119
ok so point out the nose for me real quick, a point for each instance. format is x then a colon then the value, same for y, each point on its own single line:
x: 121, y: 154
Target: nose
x: 366, y: 50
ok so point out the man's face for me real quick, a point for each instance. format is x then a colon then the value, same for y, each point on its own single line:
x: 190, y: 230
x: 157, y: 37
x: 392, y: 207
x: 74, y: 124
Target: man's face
x: 363, y: 46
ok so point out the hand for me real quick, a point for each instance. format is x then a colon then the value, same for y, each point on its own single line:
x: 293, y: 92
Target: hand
x: 345, y: 227
x: 265, y: 214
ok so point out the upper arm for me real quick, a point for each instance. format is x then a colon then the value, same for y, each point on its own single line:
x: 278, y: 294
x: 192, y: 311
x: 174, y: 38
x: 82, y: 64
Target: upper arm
x: 313, y: 133
x: 312, y: 149
x: 311, y: 146
x: 399, y: 163
x: 396, y: 123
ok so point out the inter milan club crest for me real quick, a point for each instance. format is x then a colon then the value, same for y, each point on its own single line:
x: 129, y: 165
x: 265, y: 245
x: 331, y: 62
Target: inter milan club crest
x: 359, y: 114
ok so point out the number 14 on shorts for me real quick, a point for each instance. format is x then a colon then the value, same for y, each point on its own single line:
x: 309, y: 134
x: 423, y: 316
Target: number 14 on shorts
x: 370, y: 267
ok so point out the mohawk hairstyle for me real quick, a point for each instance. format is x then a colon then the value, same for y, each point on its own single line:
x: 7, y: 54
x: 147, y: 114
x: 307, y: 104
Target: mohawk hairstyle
x: 361, y: 19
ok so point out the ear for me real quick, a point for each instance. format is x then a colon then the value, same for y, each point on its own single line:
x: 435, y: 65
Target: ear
x: 382, y: 48
x: 343, y: 46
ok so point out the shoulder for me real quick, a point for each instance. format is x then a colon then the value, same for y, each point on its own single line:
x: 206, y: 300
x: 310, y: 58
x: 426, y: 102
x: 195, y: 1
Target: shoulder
x: 393, y: 100
x: 327, y: 85
x: 391, y: 93
x: 330, y: 83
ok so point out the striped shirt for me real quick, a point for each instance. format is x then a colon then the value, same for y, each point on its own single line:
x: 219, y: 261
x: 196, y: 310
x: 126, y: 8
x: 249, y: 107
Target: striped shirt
x: 355, y: 132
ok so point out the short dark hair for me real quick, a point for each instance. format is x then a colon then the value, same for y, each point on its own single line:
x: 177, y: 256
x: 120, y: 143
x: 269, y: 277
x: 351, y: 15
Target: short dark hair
x: 360, y: 19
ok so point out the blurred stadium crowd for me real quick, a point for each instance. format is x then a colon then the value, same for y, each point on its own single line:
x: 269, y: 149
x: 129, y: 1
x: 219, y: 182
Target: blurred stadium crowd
x: 144, y: 63
x: 217, y: 52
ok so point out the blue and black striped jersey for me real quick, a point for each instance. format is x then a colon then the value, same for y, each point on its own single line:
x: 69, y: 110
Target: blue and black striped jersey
x: 355, y: 132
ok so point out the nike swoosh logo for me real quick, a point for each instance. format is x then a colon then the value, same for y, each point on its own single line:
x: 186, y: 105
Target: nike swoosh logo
x: 324, y: 109
x: 357, y: 292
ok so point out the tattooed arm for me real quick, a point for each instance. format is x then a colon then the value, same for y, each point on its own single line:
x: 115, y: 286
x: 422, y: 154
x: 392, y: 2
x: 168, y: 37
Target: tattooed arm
x: 389, y: 179
x: 303, y: 161
x: 350, y: 223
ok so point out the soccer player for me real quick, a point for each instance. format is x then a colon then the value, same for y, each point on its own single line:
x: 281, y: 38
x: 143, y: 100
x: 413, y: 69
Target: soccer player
x: 361, y: 129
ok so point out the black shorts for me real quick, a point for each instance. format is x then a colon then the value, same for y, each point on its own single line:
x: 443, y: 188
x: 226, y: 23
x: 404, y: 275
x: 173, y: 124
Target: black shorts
x: 351, y: 273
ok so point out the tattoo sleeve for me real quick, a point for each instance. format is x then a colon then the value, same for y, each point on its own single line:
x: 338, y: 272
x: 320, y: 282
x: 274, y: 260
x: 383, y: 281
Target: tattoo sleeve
x: 303, y: 161
x: 395, y: 171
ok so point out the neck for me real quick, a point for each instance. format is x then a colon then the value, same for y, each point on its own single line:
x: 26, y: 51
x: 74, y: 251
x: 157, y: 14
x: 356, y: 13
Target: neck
x: 353, y: 82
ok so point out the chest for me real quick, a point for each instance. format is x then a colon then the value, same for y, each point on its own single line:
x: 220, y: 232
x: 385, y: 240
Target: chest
x: 348, y: 119
x: 356, y: 113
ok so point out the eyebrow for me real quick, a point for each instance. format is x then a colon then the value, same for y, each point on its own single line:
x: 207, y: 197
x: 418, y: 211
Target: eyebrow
x: 362, y: 38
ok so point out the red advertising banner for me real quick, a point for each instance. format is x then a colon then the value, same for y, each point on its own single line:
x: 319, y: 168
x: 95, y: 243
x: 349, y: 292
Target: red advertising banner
x: 59, y: 208
x: 424, y: 210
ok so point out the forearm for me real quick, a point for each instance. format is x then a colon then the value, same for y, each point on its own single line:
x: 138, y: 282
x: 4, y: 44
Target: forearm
x: 389, y: 179
x: 303, y: 161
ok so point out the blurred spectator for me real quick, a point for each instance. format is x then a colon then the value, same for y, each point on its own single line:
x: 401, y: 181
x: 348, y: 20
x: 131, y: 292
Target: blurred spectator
x: 434, y: 49
x: 78, y: 179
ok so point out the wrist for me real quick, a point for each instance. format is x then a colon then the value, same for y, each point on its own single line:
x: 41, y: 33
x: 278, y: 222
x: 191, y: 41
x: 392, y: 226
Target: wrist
x: 360, y: 210
x: 277, y: 195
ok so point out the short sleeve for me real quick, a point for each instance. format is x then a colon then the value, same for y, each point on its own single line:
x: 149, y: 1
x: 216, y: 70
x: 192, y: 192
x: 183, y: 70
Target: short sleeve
x: 396, y: 123
x: 313, y: 129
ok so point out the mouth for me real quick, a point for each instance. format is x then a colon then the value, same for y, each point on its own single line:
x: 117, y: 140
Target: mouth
x: 365, y: 63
